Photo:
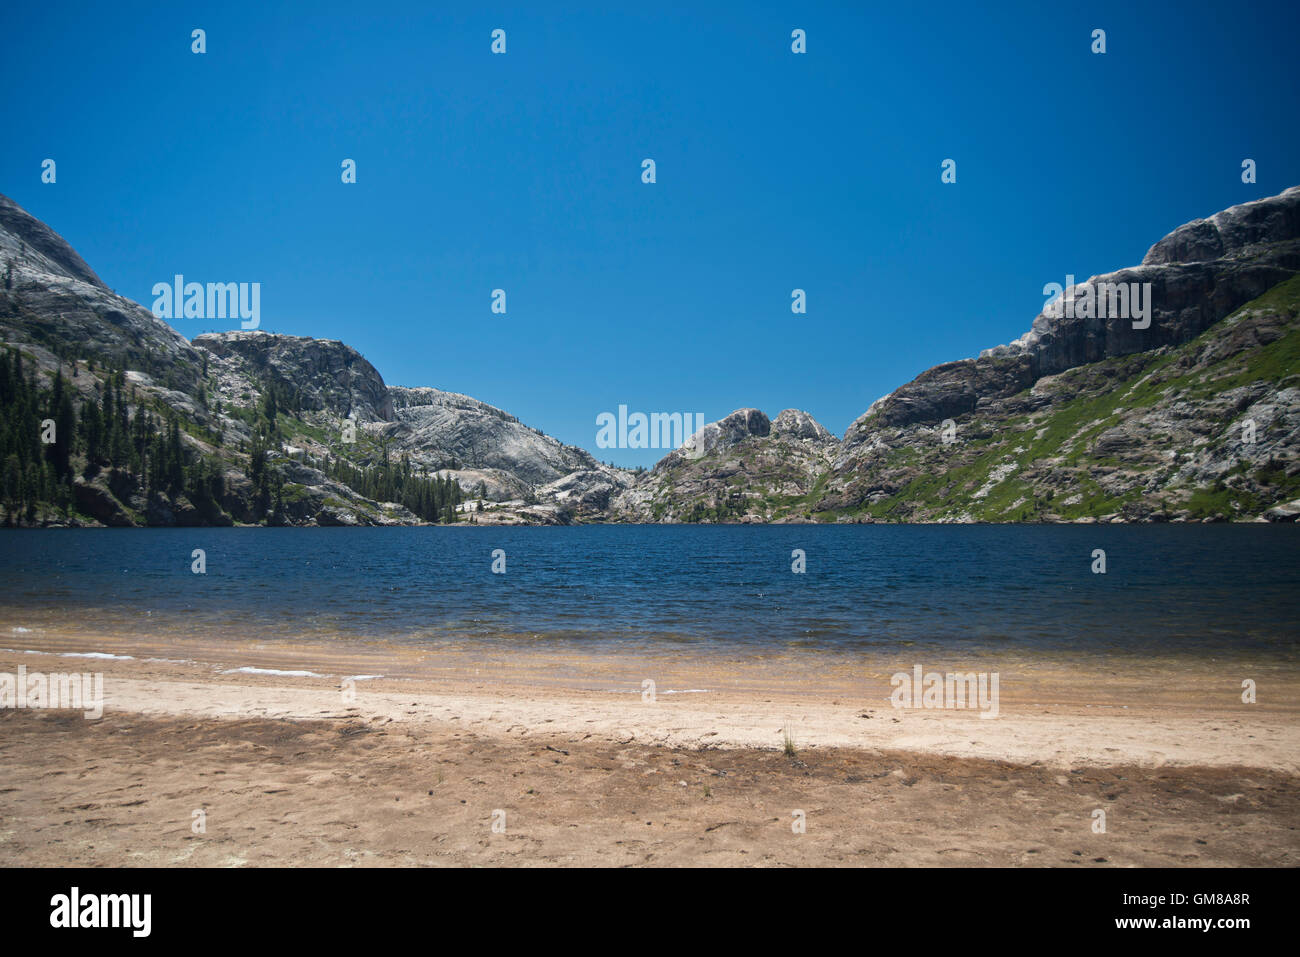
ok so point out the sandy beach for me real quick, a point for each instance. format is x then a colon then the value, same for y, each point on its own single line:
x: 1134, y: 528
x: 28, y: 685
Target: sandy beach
x: 220, y: 753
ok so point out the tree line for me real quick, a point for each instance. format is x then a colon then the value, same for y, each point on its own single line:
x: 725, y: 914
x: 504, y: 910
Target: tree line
x: 431, y: 499
x: 48, y: 435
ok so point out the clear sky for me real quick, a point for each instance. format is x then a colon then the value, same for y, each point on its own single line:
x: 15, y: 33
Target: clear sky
x: 522, y: 171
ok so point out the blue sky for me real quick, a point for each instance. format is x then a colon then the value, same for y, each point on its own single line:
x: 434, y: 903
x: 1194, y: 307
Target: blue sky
x: 522, y: 171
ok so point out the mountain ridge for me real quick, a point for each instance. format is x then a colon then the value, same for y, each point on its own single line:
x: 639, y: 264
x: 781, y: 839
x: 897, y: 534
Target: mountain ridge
x: 322, y: 415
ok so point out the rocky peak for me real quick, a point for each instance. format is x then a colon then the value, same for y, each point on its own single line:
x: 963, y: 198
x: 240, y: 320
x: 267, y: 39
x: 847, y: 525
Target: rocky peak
x: 407, y: 397
x: 1232, y: 232
x: 797, y: 424
x: 726, y: 432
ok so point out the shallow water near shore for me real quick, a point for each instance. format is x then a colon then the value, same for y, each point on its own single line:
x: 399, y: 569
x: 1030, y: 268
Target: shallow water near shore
x: 1167, y: 591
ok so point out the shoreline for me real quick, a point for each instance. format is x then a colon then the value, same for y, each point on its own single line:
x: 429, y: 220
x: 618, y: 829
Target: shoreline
x: 1053, y: 709
x: 414, y: 770
x: 1282, y: 513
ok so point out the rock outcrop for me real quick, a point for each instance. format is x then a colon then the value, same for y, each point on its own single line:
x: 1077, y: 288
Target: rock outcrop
x: 443, y: 430
x: 51, y: 298
x: 797, y: 424
x: 324, y: 374
x: 744, y: 467
x: 30, y: 244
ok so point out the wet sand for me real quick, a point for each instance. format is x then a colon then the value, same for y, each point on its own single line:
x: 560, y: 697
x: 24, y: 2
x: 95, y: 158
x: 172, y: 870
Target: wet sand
x: 574, y: 762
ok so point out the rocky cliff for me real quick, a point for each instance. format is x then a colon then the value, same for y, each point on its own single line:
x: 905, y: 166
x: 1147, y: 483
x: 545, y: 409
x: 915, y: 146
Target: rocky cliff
x: 1198, y: 274
x: 447, y: 430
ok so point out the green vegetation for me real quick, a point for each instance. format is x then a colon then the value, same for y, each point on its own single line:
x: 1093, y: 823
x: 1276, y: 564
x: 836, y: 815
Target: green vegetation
x: 432, y: 499
x: 48, y: 436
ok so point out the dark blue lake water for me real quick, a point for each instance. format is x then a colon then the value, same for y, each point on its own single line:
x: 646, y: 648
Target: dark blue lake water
x: 1167, y: 589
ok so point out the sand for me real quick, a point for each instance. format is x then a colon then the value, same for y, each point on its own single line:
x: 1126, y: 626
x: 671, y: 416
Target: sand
x: 545, y: 756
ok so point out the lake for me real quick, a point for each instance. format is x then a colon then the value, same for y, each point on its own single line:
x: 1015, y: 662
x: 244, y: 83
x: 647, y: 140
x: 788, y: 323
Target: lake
x: 1167, y: 589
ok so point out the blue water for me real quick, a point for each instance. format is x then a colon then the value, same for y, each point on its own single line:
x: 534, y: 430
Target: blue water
x: 1167, y: 589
